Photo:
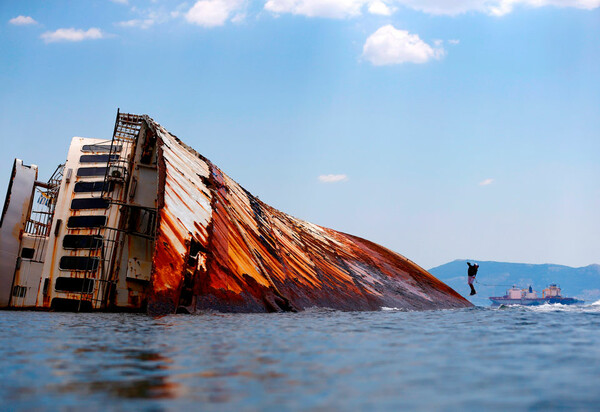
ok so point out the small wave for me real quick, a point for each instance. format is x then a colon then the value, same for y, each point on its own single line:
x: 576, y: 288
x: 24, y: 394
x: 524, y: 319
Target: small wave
x: 552, y: 307
x: 558, y: 307
x: 394, y: 309
x: 319, y: 309
x: 510, y: 306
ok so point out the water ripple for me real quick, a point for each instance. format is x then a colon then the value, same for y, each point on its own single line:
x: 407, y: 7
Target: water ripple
x: 468, y: 359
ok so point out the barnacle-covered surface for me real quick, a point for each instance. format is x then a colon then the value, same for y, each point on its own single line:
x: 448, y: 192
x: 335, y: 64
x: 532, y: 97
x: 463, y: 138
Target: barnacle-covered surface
x: 220, y: 248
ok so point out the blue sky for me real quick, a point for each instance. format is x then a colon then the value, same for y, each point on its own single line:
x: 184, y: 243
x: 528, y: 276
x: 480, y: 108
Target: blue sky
x: 440, y: 129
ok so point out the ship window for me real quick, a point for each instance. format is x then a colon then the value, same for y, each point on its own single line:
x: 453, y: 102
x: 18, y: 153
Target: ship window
x: 74, y: 285
x: 27, y: 253
x: 81, y: 187
x: 82, y: 242
x: 141, y: 221
x: 76, y: 222
x: 101, y: 148
x: 91, y: 171
x: 104, y: 158
x: 79, y: 263
x: 19, y: 291
x: 89, y: 203
x: 71, y: 305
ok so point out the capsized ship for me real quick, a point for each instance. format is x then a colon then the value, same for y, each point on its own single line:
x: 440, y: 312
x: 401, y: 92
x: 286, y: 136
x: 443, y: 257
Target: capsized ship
x: 529, y: 297
x: 142, y: 222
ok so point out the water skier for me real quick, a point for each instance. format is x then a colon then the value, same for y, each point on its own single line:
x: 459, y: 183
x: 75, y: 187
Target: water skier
x: 472, y: 272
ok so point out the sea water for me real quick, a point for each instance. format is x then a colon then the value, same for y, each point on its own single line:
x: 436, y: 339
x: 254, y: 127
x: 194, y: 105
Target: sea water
x: 514, y: 358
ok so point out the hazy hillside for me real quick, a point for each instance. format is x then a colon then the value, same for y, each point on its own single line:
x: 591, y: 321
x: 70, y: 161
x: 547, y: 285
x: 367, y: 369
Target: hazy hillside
x: 496, y: 277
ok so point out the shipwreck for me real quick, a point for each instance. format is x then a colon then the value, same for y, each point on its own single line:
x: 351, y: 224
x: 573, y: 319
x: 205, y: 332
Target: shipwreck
x: 142, y: 222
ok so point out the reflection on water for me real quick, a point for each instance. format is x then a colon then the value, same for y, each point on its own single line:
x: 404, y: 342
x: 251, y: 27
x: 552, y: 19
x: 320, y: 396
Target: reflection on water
x: 442, y: 360
x: 131, y: 374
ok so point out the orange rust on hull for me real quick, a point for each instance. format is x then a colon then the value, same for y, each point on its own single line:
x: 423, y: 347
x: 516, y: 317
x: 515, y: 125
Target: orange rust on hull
x: 256, y: 258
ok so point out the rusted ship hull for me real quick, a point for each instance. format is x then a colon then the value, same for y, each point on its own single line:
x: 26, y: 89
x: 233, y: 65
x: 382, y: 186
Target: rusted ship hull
x: 220, y: 248
x: 143, y: 222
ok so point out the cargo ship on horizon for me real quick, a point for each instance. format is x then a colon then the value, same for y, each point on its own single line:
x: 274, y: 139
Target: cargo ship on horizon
x: 529, y: 297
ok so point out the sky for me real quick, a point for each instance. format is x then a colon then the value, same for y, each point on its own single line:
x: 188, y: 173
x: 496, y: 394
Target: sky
x: 440, y: 129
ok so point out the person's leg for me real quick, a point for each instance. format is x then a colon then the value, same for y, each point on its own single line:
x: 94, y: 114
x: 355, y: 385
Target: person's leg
x: 471, y: 281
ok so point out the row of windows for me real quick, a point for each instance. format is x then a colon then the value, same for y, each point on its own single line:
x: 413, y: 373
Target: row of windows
x: 93, y: 242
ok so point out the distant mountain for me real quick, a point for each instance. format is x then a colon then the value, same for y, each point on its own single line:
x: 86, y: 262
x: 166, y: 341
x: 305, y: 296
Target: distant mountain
x: 496, y: 277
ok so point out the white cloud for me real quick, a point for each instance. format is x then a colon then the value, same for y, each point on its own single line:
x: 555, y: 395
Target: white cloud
x: 351, y: 8
x: 445, y: 6
x: 493, y: 7
x: 453, y: 42
x: 333, y: 178
x: 379, y: 7
x: 238, y: 18
x: 120, y: 1
x: 337, y: 9
x: 486, y: 182
x: 389, y: 45
x: 212, y: 13
x: 138, y: 23
x: 179, y: 10
x: 22, y: 21
x: 72, y: 35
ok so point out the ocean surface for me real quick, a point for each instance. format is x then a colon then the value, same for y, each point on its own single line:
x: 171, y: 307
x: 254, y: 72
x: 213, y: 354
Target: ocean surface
x: 515, y: 358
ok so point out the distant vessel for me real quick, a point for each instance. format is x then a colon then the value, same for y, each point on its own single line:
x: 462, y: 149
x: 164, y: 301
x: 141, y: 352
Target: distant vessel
x: 529, y: 297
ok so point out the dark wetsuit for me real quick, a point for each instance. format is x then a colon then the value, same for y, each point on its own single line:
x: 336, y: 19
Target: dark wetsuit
x: 472, y: 272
